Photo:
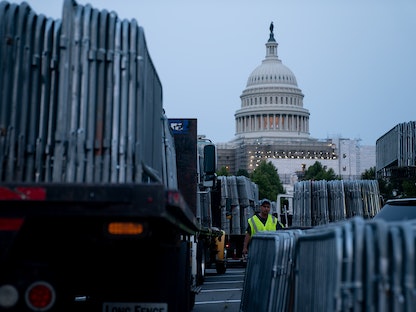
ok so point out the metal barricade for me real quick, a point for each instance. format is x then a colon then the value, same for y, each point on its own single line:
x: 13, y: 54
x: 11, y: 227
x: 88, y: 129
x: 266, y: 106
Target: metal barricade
x: 269, y: 271
x: 375, y: 278
x: 321, y: 202
x: 350, y: 265
x: 281, y: 291
x: 318, y: 270
x: 402, y: 267
x: 81, y: 100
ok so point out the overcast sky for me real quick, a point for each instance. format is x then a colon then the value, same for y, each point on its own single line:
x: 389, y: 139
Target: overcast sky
x: 355, y: 61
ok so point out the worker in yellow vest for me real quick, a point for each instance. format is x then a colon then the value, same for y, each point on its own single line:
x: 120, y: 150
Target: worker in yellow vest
x: 261, y: 221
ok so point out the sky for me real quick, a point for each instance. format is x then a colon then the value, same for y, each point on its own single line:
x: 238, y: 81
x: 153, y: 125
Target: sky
x: 354, y: 61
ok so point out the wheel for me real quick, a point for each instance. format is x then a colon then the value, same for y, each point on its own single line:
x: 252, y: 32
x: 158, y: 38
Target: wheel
x: 192, y: 300
x: 200, y: 264
x: 221, y: 267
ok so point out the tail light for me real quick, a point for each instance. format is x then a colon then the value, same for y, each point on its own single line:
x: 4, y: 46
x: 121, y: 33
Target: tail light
x: 40, y: 296
x: 126, y: 228
x: 10, y: 224
x: 22, y: 193
x: 8, y: 296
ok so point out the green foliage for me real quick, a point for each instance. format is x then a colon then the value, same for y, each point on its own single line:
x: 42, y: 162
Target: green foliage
x: 268, y: 181
x: 409, y: 188
x: 385, y: 188
x: 401, y: 184
x: 223, y: 172
x: 318, y: 172
x: 243, y: 172
x: 369, y: 174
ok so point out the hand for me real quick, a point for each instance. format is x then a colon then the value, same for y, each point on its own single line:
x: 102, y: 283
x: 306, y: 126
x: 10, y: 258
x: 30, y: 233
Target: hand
x: 245, y: 251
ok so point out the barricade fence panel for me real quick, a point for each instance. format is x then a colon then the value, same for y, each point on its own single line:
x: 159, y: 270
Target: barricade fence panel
x: 350, y: 265
x: 239, y: 198
x: 77, y: 96
x: 322, y: 202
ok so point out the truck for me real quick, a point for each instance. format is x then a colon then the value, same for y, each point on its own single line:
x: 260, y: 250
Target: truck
x: 98, y: 211
x: 199, y: 183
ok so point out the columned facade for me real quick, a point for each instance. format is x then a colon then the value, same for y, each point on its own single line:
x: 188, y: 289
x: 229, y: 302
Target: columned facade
x: 276, y: 122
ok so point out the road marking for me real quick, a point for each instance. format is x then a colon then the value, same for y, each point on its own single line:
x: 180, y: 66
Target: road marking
x: 225, y: 282
x: 215, y: 290
x: 225, y: 276
x: 218, y: 301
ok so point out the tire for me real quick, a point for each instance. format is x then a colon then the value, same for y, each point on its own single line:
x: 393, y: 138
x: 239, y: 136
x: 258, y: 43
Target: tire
x: 221, y: 267
x: 200, y: 264
x: 192, y: 300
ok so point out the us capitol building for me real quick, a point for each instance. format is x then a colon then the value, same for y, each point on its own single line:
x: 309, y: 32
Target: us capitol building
x: 273, y: 124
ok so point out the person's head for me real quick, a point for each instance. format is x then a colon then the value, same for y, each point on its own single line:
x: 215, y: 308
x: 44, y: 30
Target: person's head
x: 266, y: 202
x: 265, y: 206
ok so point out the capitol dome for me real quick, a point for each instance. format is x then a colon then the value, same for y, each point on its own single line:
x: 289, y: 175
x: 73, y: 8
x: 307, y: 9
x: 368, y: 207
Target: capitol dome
x: 272, y: 103
x: 271, y: 71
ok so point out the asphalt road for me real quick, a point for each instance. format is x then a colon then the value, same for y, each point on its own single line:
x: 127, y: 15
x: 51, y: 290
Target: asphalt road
x: 221, y: 292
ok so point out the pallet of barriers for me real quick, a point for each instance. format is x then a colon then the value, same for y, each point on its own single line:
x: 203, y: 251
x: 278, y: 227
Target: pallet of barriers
x: 352, y: 265
x: 81, y: 100
x: 321, y: 202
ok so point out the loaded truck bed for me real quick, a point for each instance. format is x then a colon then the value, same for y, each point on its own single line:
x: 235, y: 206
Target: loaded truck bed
x: 97, y: 212
x: 98, y: 247
x: 106, y: 200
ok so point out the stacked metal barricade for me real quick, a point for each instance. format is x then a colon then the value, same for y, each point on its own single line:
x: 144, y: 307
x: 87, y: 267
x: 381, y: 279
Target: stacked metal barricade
x: 321, y: 202
x: 397, y: 146
x: 81, y: 100
x: 268, y: 279
x: 353, y: 265
x: 239, y: 198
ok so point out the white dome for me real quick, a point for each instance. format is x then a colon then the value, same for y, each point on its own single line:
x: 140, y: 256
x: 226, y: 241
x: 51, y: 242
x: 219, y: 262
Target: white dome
x: 272, y: 71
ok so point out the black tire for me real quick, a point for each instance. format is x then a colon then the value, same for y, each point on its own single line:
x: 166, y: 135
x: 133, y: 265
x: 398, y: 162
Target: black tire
x: 192, y: 300
x: 184, y: 295
x: 200, y: 264
x: 221, y: 267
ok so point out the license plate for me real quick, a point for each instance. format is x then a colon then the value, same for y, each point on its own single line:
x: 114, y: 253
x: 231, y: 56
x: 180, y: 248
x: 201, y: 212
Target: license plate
x: 135, y: 307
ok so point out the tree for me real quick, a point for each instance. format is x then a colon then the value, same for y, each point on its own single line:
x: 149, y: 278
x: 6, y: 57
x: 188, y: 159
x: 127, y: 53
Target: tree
x: 409, y: 187
x: 319, y: 172
x: 242, y: 172
x: 385, y: 188
x: 369, y: 174
x: 222, y: 172
x: 268, y: 181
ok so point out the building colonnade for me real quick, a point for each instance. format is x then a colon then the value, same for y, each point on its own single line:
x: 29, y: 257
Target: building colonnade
x: 272, y: 122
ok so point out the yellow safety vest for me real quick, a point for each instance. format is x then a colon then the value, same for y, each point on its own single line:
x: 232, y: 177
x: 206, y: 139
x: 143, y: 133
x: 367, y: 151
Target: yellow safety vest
x: 256, y: 225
